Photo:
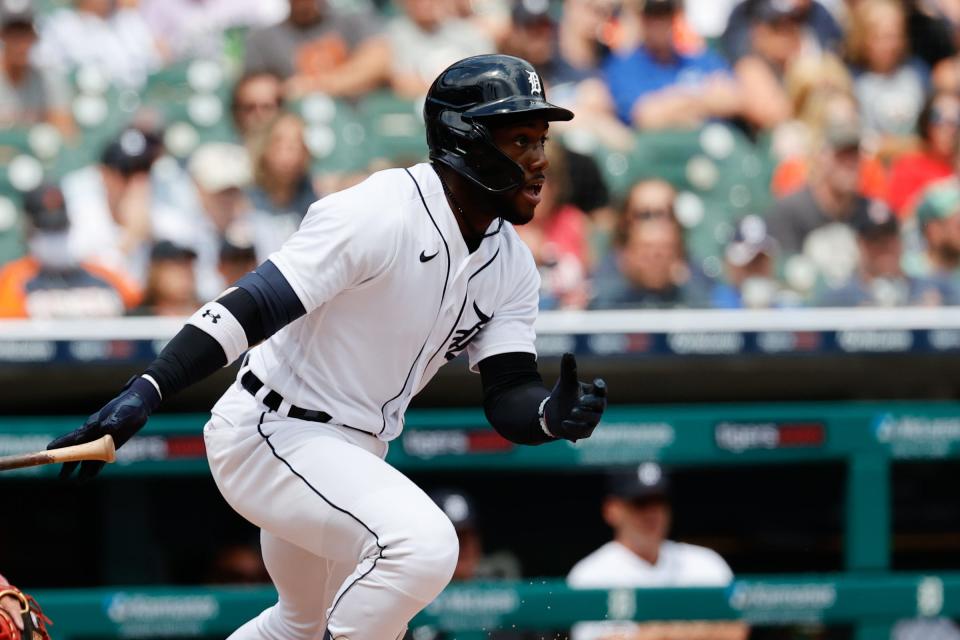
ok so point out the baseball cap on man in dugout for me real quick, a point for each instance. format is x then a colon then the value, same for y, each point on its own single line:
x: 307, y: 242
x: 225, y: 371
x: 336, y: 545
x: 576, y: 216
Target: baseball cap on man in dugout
x: 647, y: 481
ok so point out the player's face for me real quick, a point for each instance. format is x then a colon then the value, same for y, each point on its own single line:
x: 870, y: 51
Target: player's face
x: 524, y: 143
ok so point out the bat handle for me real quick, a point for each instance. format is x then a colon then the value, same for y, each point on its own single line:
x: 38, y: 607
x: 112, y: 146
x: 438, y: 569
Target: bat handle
x: 102, y: 449
x: 108, y: 449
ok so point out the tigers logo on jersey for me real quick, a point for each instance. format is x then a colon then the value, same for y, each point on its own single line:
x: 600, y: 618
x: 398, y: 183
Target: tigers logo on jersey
x: 463, y: 337
x: 535, y: 86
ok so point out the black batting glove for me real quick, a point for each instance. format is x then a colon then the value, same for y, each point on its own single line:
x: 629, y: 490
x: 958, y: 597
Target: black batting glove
x: 122, y: 417
x: 573, y: 409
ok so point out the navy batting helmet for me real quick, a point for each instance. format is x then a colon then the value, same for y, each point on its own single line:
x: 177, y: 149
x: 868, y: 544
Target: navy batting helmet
x: 468, y: 96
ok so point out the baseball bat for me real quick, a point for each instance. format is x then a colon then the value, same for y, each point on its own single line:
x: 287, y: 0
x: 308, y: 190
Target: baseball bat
x: 101, y: 449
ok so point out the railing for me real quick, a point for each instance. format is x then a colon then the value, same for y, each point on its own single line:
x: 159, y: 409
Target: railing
x: 602, y: 333
x: 872, y: 604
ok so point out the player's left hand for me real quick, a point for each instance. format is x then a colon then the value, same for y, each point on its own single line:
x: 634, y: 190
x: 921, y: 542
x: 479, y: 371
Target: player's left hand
x: 122, y: 417
x: 574, y: 408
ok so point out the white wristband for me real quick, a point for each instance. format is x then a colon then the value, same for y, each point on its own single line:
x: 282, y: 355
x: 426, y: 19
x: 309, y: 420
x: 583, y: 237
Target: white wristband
x: 216, y: 320
x: 150, y: 379
x: 543, y: 419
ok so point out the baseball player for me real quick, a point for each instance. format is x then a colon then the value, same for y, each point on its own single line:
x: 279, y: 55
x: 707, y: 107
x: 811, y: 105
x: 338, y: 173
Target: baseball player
x: 382, y: 284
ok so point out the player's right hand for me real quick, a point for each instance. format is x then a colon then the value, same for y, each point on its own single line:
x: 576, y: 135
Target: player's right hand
x: 121, y: 418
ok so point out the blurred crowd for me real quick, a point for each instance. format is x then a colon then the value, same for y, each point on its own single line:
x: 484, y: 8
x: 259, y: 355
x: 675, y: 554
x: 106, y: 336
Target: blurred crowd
x: 851, y: 109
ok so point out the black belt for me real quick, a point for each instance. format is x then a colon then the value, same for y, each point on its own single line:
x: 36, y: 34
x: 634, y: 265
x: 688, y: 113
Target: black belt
x: 272, y: 401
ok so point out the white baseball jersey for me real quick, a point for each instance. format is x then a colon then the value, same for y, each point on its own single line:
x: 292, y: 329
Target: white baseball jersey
x: 391, y: 294
x: 614, y: 566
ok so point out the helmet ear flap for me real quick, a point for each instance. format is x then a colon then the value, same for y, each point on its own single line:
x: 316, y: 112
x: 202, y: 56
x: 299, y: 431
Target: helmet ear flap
x: 459, y: 130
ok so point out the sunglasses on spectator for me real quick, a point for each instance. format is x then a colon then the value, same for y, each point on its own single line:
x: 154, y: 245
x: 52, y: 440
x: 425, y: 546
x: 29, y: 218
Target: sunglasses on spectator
x: 651, y: 213
x: 939, y: 117
x: 251, y: 107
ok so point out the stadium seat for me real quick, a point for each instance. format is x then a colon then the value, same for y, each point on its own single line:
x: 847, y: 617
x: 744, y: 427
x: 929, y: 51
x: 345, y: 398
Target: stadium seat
x: 335, y: 135
x: 719, y: 172
x: 11, y: 237
x: 395, y: 127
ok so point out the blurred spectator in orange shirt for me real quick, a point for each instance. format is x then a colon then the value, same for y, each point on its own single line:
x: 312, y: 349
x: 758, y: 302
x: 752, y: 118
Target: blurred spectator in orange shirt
x: 171, y: 283
x: 319, y: 49
x: 49, y: 282
x: 257, y: 99
x: 939, y: 128
x: 425, y: 40
x: 831, y: 190
x: 826, y: 109
x: 28, y: 94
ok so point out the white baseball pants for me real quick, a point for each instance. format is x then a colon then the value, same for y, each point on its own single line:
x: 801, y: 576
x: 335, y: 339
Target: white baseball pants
x: 352, y: 545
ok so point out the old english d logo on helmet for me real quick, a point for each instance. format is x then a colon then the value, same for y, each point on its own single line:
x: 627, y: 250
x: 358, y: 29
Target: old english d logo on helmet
x: 535, y: 86
x: 465, y: 99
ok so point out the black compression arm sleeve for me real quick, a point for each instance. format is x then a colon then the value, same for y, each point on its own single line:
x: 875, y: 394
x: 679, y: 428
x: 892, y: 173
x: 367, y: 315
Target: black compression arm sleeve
x: 512, y: 393
x: 190, y: 357
x: 193, y: 355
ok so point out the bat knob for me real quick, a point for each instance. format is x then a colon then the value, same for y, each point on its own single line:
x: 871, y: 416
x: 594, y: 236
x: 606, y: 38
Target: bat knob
x: 109, y: 449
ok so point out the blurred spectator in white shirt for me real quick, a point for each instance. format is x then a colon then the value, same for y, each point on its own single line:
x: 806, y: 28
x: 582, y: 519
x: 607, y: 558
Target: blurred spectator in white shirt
x: 926, y: 629
x: 637, y: 508
x: 109, y: 205
x: 196, y: 209
x: 27, y: 94
x: 708, y: 18
x: 490, y: 16
x: 318, y: 49
x: 111, y: 36
x: 195, y: 28
x: 879, y: 280
x: 425, y: 40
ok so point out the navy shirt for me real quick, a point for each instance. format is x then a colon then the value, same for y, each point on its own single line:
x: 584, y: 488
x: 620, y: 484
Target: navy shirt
x: 633, y: 75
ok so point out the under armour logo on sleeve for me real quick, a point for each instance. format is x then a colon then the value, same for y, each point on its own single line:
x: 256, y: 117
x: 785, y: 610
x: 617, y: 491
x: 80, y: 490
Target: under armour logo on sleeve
x: 213, y: 316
